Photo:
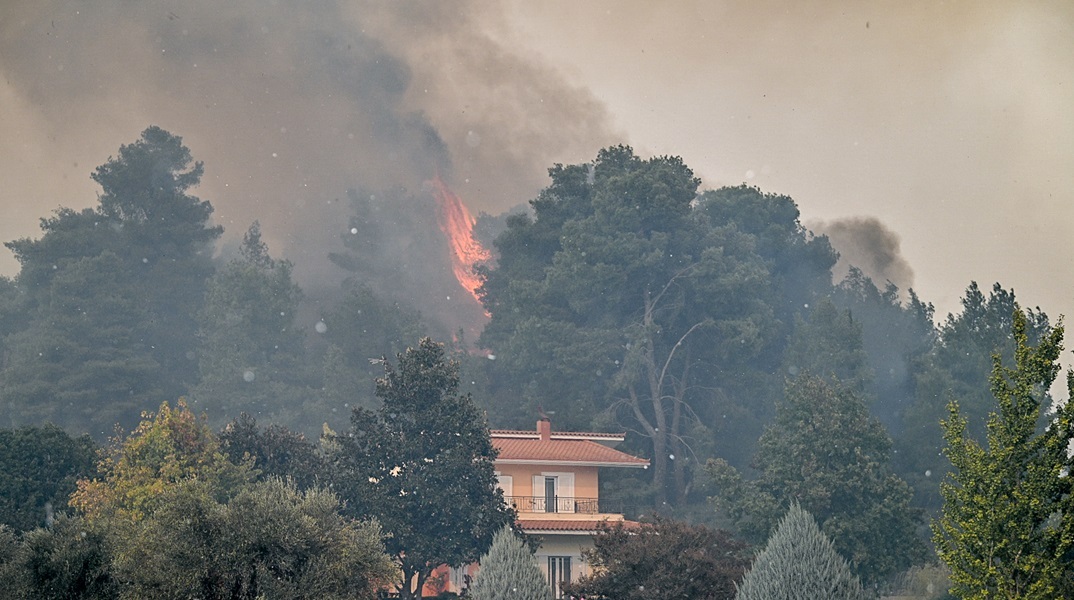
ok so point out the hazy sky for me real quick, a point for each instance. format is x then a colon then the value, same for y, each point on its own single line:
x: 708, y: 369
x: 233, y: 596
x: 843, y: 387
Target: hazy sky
x: 943, y: 131
x: 952, y: 123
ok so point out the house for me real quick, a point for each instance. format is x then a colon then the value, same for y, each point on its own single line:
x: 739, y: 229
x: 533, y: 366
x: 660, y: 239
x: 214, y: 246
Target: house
x: 551, y: 480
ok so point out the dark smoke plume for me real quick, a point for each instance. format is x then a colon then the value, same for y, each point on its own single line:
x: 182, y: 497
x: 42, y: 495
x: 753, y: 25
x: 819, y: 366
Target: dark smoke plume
x: 866, y: 243
x: 289, y: 104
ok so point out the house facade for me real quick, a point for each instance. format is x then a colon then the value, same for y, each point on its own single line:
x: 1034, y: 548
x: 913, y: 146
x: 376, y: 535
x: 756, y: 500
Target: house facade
x: 551, y: 479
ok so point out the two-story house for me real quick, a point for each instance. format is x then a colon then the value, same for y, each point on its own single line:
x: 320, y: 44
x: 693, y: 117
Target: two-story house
x: 551, y: 479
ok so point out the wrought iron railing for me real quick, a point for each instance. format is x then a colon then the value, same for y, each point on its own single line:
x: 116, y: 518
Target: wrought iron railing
x: 556, y: 504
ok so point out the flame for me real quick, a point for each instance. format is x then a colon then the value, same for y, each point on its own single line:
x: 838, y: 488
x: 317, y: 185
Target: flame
x: 458, y: 226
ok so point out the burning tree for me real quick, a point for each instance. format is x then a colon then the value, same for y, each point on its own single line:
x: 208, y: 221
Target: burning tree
x: 458, y: 225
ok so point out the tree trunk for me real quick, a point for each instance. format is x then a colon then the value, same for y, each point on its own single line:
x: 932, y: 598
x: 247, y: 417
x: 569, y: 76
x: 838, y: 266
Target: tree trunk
x: 678, y: 451
x: 678, y: 446
x: 655, y: 381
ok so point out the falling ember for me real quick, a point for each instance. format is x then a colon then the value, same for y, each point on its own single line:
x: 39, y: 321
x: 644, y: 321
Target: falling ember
x: 458, y: 226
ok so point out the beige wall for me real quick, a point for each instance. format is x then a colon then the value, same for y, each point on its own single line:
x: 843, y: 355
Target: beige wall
x: 564, y: 545
x: 585, y: 479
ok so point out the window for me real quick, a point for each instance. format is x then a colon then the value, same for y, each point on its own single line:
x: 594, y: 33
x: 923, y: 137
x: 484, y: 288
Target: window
x: 506, y: 483
x: 559, y: 571
x: 550, y: 494
x: 553, y: 492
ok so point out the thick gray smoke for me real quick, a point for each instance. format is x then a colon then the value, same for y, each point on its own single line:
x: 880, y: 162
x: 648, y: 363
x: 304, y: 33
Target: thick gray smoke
x: 866, y: 243
x: 288, y: 103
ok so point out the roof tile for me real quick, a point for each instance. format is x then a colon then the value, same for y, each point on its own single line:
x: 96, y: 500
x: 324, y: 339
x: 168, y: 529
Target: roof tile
x: 563, y: 451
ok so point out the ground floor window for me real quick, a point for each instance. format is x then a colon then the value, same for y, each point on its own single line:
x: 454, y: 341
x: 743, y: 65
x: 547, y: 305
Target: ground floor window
x: 559, y: 571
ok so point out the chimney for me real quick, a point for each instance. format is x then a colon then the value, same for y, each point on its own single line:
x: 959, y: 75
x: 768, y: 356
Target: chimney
x: 544, y: 428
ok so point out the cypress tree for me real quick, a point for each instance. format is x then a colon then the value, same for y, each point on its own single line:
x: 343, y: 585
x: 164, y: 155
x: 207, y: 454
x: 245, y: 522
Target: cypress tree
x: 799, y: 563
x: 508, y: 571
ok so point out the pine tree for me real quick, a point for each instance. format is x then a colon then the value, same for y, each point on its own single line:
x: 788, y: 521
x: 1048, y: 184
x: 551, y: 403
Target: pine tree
x: 1007, y: 529
x: 509, y: 572
x: 799, y: 563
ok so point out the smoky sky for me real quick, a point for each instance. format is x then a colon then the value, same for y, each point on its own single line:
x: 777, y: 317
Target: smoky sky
x: 948, y: 122
x: 865, y: 243
x: 289, y: 104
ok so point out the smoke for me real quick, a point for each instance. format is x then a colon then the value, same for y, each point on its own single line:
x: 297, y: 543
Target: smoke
x: 289, y: 104
x: 866, y: 243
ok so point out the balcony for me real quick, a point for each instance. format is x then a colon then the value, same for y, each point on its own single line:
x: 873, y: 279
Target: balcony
x: 559, y: 504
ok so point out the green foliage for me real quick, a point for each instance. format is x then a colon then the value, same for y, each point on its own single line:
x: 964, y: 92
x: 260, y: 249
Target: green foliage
x: 69, y: 559
x: 362, y: 329
x: 509, y: 572
x: 799, y: 563
x: 269, y: 541
x: 40, y: 467
x: 82, y: 363
x: 618, y: 297
x: 167, y: 449
x: 422, y: 464
x: 958, y: 367
x: 829, y: 345
x: 798, y: 262
x: 274, y: 451
x: 825, y: 451
x: 171, y: 517
x: 1007, y: 529
x: 664, y: 559
x: 251, y: 357
x: 896, y: 336
x: 111, y: 293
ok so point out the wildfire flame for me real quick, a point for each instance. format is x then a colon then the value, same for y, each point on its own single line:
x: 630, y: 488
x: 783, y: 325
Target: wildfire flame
x: 458, y: 226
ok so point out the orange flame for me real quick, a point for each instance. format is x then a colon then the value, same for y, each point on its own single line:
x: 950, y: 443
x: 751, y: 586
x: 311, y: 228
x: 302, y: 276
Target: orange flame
x: 458, y: 226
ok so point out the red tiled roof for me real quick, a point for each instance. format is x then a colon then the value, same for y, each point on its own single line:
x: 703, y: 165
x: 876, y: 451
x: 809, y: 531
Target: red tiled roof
x: 552, y: 525
x: 571, y: 525
x: 577, y: 452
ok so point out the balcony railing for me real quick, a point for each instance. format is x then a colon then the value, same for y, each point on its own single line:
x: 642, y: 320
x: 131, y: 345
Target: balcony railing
x: 558, y: 504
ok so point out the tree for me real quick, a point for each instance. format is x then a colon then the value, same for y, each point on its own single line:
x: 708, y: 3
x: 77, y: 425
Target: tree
x: 660, y: 560
x: 251, y: 358
x: 800, y: 264
x: 167, y: 449
x: 799, y: 563
x: 82, y: 362
x: 179, y: 520
x: 422, y: 464
x: 111, y: 292
x: 40, y: 467
x: 958, y: 366
x: 826, y: 452
x: 1007, y: 528
x: 618, y: 298
x: 269, y: 541
x: 896, y: 336
x: 275, y: 452
x: 829, y: 345
x: 509, y: 572
x: 69, y: 559
x: 362, y: 327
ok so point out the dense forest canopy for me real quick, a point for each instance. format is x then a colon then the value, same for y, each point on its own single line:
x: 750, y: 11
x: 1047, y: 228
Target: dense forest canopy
x: 705, y: 323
